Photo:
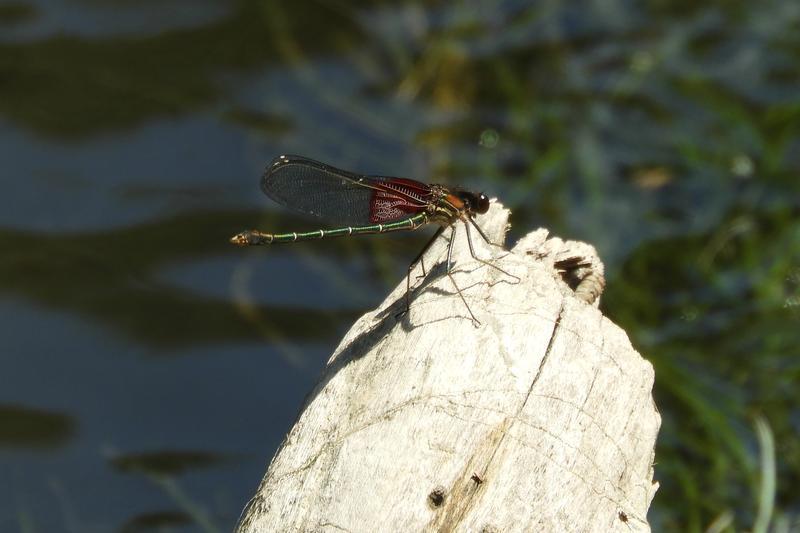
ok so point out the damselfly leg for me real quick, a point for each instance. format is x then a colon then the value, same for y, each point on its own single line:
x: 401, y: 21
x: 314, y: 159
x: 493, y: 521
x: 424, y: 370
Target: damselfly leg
x: 472, y: 249
x: 452, y: 279
x: 449, y: 263
x: 419, y: 259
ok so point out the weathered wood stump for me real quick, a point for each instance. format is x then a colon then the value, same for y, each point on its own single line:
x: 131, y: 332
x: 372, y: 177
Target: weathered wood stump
x: 539, y: 419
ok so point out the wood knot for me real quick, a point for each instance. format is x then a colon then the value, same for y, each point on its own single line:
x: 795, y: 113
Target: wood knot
x: 436, y: 497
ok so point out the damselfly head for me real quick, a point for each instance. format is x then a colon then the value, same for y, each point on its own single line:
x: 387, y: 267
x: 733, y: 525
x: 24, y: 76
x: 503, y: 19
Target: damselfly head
x: 483, y: 204
x: 475, y: 202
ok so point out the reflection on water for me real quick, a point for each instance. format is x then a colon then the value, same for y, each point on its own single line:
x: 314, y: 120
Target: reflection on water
x: 165, y: 463
x: 133, y: 136
x: 157, y: 521
x: 33, y: 429
x: 95, y: 274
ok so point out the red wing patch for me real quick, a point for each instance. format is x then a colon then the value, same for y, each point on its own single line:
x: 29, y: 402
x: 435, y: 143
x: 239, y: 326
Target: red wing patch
x: 397, y: 199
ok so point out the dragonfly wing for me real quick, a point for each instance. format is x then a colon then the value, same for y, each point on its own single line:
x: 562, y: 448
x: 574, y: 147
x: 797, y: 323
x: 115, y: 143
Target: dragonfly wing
x: 341, y: 197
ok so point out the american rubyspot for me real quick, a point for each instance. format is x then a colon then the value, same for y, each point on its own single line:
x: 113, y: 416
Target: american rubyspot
x: 362, y: 205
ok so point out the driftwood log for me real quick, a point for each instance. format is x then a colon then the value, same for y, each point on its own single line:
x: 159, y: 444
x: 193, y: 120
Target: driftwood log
x: 539, y: 419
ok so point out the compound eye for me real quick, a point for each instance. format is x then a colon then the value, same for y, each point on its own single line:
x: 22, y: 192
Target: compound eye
x: 483, y: 204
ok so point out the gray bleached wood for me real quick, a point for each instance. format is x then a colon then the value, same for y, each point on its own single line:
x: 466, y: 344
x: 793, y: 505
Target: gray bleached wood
x: 541, y: 419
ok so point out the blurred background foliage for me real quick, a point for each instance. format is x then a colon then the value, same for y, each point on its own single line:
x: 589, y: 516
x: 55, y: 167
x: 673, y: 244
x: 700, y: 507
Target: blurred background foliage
x: 133, y: 133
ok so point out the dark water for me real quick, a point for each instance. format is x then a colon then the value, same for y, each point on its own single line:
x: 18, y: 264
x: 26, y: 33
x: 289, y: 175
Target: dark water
x: 148, y: 370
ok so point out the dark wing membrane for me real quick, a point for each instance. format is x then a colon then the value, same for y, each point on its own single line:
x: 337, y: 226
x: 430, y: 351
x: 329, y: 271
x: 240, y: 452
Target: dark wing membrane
x: 339, y: 197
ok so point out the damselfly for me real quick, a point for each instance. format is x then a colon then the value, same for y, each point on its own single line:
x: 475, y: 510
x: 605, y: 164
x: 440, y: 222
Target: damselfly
x: 361, y: 205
